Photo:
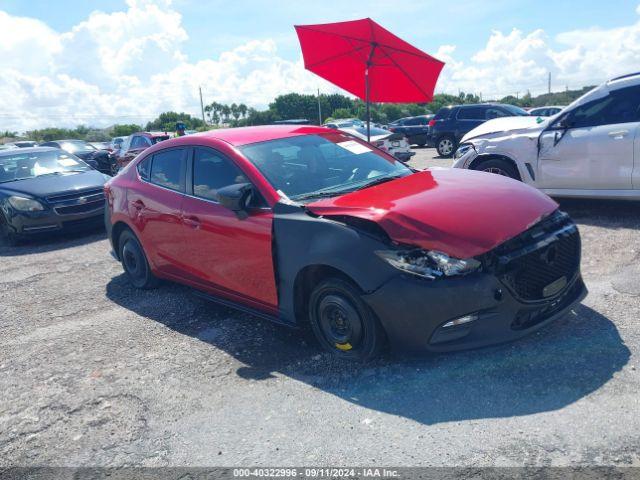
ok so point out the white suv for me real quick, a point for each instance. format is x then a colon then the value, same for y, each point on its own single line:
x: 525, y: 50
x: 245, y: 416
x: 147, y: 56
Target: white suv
x: 586, y: 150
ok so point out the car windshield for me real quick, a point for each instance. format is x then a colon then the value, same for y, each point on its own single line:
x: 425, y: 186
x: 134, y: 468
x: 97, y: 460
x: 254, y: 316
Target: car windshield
x: 312, y: 166
x: 516, y: 111
x: 18, y: 166
x: 77, y: 147
x: 159, y: 138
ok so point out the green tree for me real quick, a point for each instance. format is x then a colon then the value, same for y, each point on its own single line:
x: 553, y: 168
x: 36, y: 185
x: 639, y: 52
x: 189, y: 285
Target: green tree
x: 166, y: 122
x: 124, y: 130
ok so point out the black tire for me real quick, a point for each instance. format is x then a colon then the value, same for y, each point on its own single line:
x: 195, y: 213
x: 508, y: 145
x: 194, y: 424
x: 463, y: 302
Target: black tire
x: 342, y: 323
x: 498, y: 167
x: 134, y: 262
x: 446, y: 146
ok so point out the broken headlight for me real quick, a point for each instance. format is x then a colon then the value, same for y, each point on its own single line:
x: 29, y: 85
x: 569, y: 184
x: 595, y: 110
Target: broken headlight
x: 429, y: 264
x: 462, y: 150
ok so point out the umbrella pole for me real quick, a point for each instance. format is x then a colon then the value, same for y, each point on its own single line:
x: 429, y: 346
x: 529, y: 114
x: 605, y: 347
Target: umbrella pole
x: 366, y: 96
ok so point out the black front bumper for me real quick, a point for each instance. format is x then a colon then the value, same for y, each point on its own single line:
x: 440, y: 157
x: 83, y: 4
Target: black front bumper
x: 413, y: 311
x: 27, y: 224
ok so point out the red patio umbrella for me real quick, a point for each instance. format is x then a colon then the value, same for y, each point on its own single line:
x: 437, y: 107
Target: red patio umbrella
x: 369, y: 61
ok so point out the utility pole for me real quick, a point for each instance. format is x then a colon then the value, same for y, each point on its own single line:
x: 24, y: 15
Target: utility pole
x: 319, y: 109
x: 549, y: 82
x: 201, y: 105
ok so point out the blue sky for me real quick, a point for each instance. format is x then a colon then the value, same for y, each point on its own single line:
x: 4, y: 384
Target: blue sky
x: 219, y: 25
x: 69, y: 61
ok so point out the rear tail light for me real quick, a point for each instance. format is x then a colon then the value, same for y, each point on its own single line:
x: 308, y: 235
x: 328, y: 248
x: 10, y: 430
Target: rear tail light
x: 392, y: 129
x: 432, y: 122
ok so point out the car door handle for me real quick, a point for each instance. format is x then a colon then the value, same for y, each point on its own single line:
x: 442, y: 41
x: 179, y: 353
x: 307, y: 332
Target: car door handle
x: 619, y: 133
x: 193, y: 222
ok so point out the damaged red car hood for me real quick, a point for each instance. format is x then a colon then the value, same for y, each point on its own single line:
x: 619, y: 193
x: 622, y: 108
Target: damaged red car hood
x: 463, y: 213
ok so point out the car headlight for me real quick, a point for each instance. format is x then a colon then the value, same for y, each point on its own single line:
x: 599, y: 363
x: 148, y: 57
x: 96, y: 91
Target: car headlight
x: 429, y: 264
x: 25, y: 204
x: 462, y: 150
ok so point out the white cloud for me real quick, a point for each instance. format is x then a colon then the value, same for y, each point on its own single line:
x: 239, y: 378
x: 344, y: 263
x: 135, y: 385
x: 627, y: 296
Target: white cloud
x: 129, y: 66
x: 517, y: 62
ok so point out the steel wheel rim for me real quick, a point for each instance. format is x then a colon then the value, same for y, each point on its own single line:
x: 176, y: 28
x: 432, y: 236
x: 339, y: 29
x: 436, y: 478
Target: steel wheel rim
x: 446, y: 146
x: 497, y: 171
x: 132, y: 260
x: 339, y: 322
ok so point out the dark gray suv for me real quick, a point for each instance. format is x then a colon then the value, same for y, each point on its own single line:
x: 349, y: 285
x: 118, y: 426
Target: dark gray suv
x: 451, y: 123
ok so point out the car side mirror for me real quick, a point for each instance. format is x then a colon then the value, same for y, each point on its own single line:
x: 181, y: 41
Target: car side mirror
x: 236, y: 198
x: 564, y: 123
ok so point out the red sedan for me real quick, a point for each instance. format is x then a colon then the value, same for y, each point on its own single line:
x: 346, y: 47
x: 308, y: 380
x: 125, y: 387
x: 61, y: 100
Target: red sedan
x: 311, y: 227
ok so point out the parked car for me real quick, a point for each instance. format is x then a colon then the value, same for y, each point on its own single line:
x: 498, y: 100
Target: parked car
x: 344, y: 123
x: 43, y: 190
x: 416, y: 129
x: 311, y: 227
x: 101, y: 145
x: 135, y: 144
x: 98, y: 159
x: 292, y: 121
x: 545, y: 111
x: 451, y: 123
x: 395, y: 144
x: 24, y: 143
x: 588, y: 150
x: 116, y: 143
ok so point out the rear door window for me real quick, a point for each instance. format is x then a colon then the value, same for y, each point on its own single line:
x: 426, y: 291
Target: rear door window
x: 144, y: 168
x: 168, y: 169
x: 471, y: 113
x: 495, y: 113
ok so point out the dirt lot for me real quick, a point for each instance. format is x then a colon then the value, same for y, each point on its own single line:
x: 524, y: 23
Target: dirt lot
x: 95, y: 373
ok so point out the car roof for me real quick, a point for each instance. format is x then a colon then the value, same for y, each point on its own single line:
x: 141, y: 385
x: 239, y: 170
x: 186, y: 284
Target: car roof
x: 16, y: 151
x: 152, y: 134
x: 246, y: 135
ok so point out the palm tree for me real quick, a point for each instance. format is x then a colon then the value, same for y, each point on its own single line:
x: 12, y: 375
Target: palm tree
x: 242, y: 108
x: 226, y: 111
x: 235, y: 113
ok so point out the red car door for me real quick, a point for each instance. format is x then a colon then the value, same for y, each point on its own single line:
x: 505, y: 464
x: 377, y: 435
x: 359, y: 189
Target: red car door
x: 229, y: 256
x: 155, y: 205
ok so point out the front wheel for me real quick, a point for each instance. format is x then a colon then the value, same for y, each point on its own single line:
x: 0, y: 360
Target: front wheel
x: 134, y: 262
x: 499, y: 167
x: 446, y: 146
x: 343, y: 324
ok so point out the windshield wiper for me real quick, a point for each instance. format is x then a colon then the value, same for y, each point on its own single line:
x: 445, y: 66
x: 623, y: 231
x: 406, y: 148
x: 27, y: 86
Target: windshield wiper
x: 323, y: 193
x: 378, y: 181
x: 318, y: 194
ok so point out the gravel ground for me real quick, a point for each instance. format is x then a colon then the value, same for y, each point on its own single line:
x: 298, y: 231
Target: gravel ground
x: 95, y: 373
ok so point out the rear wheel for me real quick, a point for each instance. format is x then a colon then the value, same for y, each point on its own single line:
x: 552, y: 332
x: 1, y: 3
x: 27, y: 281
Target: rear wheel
x: 499, y: 167
x: 446, y: 146
x: 343, y: 324
x: 134, y: 262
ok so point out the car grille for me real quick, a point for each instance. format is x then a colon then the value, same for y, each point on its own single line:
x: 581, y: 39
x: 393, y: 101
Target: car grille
x: 82, y: 208
x: 66, y: 197
x: 82, y: 201
x: 542, y: 262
